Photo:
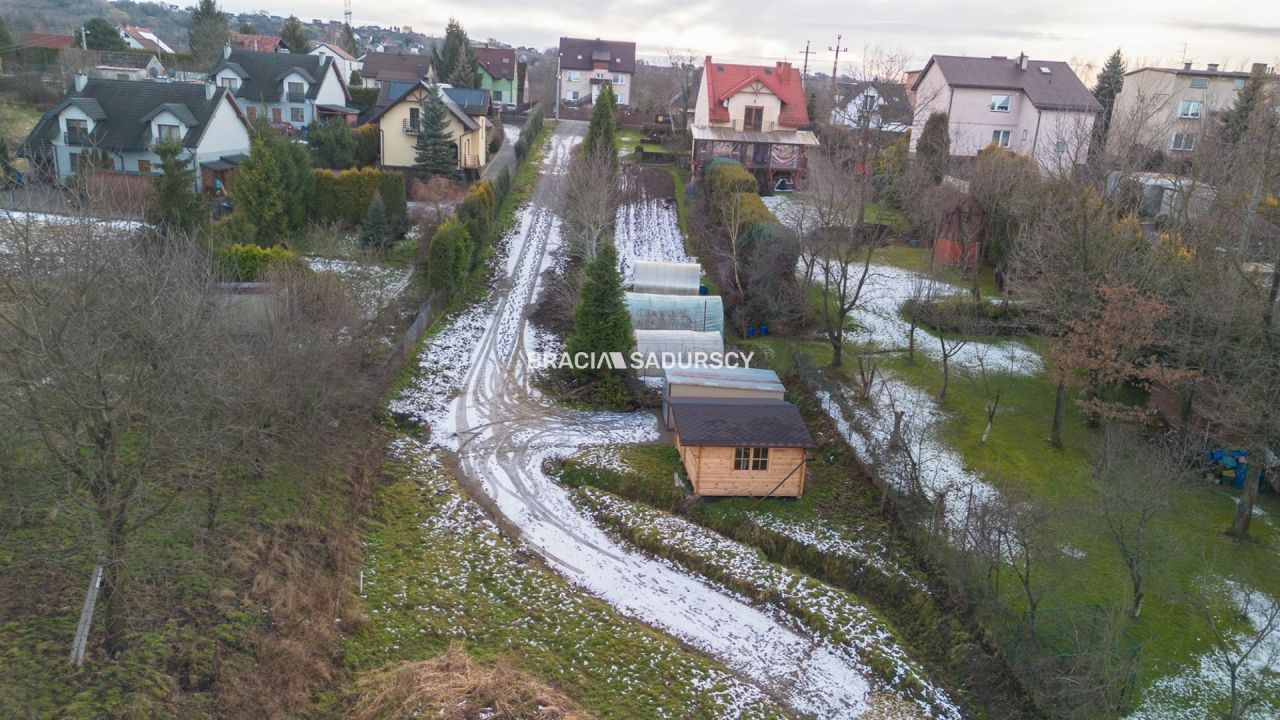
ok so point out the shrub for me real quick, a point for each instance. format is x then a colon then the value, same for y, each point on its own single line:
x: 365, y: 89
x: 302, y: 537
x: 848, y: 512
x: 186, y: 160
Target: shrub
x: 724, y: 178
x: 503, y: 187
x: 244, y: 262
x: 238, y: 228
x: 522, y: 149
x: 363, y: 97
x: 376, y: 230
x: 346, y: 196
x: 477, y: 213
x: 448, y: 258
x: 367, y: 145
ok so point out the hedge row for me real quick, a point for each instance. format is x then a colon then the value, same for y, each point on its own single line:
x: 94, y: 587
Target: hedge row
x: 529, y: 134
x: 244, y: 262
x: 346, y: 196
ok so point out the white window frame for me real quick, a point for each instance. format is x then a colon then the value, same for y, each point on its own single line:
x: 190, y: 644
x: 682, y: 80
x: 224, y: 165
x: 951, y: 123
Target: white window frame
x: 1199, y: 83
x: 575, y: 76
x: 619, y: 79
x: 573, y: 95
x: 1182, y: 146
x: 1185, y: 109
x: 1001, y: 137
x: 1000, y: 103
x: 1237, y: 84
x: 621, y: 98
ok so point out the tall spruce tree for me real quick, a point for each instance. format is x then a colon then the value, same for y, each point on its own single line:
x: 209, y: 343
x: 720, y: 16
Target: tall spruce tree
x: 294, y: 36
x: 602, y: 129
x: 601, y: 323
x: 466, y: 68
x: 934, y: 147
x: 1110, y: 82
x: 208, y: 31
x: 348, y: 41
x: 175, y: 207
x: 98, y: 34
x: 275, y: 186
x: 436, y: 155
x: 1235, y: 122
x: 445, y: 56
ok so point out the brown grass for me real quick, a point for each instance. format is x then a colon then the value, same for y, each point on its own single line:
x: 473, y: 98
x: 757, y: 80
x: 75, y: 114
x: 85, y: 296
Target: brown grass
x: 452, y: 686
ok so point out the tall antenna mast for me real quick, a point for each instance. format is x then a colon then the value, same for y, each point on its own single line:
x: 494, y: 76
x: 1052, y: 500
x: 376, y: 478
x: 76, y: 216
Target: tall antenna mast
x: 346, y: 12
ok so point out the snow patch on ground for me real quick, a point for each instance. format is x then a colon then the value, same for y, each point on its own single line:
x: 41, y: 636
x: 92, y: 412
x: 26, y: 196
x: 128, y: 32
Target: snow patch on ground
x: 374, y: 286
x: 823, y: 539
x: 18, y: 218
x: 830, y: 616
x: 605, y: 457
x: 442, y: 365
x: 1201, y: 690
x: 648, y: 229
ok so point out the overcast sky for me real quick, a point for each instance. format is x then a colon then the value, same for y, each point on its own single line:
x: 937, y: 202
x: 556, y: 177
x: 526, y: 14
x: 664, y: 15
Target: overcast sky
x: 1231, y: 32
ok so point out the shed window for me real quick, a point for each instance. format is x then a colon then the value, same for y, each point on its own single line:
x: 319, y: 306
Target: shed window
x: 746, y: 458
x: 1000, y: 103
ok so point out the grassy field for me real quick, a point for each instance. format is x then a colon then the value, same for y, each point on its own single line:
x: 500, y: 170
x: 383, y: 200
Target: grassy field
x: 438, y: 572
x: 16, y: 122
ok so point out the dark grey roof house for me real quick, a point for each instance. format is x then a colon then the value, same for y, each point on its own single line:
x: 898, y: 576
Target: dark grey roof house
x: 288, y: 89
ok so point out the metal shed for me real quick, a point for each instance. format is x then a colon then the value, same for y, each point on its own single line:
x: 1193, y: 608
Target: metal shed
x: 666, y: 278
x: 664, y: 349
x: 719, y: 383
x: 703, y: 313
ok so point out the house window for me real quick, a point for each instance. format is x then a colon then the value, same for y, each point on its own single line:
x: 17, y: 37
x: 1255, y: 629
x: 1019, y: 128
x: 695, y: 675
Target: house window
x: 1199, y: 82
x: 144, y: 166
x: 295, y: 91
x: 622, y: 98
x: 745, y: 458
x: 1183, y: 142
x: 1000, y: 103
x: 296, y: 115
x: 752, y: 118
x: 414, y: 118
x: 619, y: 79
x: 77, y: 131
x: 1190, y: 109
x: 573, y: 94
x: 74, y: 161
x: 1237, y: 84
x: 166, y: 132
x: 574, y: 77
x: 1000, y: 137
x: 1061, y: 146
x: 497, y: 95
x: 251, y: 112
x: 229, y: 83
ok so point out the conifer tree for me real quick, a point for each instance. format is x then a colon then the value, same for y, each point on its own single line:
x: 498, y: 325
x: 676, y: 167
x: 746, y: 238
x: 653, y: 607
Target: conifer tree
x: 602, y: 129
x: 208, y: 31
x: 601, y: 323
x: 435, y: 153
x: 294, y: 36
x: 175, y: 207
x: 1110, y: 82
x: 1236, y: 120
x: 445, y: 56
x: 934, y: 146
x: 375, y: 232
x: 466, y: 68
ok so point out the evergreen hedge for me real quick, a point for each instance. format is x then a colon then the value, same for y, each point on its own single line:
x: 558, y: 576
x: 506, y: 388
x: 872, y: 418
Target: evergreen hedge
x: 244, y: 262
x: 346, y: 196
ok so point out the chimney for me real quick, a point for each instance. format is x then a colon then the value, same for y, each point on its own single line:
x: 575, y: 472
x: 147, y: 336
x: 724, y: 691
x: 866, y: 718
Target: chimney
x: 226, y: 50
x: 1022, y: 61
x: 1258, y: 69
x: 209, y: 89
x: 784, y: 70
x: 81, y: 81
x: 1213, y: 67
x: 1186, y: 66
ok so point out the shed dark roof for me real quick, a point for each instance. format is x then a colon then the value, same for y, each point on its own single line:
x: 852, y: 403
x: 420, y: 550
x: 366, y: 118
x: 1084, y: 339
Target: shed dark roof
x: 137, y: 61
x: 500, y: 63
x: 1048, y: 84
x: 385, y: 67
x: 740, y: 423
x: 121, y: 108
x: 262, y: 74
x: 582, y: 54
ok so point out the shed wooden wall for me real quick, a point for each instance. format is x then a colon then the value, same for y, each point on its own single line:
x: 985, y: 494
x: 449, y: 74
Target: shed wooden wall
x: 710, y: 469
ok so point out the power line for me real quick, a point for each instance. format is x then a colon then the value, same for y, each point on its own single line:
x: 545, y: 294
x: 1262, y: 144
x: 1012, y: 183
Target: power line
x: 835, y: 64
x: 806, y: 52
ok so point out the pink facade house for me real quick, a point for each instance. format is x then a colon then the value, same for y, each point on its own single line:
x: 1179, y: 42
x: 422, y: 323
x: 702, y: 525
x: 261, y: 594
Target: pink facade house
x: 1037, y: 108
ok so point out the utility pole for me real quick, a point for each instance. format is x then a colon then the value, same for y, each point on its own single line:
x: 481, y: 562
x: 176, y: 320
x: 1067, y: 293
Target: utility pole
x: 346, y: 12
x: 84, y: 38
x: 835, y: 64
x: 806, y: 52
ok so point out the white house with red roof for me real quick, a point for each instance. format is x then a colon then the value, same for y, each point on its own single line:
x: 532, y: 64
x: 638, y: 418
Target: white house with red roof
x: 754, y: 114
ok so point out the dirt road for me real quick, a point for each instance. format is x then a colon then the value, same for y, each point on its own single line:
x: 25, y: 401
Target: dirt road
x: 503, y: 432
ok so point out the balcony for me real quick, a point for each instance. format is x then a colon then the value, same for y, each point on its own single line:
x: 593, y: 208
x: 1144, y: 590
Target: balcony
x: 76, y: 137
x: 409, y: 127
x: 470, y: 162
x: 295, y: 97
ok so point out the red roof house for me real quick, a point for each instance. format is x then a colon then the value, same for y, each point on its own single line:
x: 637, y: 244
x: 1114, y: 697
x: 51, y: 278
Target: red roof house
x: 754, y: 114
x: 47, y: 40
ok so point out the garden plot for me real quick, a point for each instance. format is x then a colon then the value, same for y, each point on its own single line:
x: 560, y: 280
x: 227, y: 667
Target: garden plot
x: 374, y: 286
x: 828, y: 614
x: 437, y: 569
x: 820, y: 538
x: 1201, y: 690
x: 648, y: 229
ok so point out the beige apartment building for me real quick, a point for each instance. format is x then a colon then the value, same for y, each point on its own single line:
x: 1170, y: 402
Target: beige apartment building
x: 1165, y: 109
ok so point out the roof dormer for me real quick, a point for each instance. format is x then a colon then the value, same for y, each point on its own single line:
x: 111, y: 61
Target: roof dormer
x: 169, y: 123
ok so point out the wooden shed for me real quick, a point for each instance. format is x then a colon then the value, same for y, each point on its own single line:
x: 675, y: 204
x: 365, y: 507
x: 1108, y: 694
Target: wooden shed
x: 730, y: 383
x: 752, y: 448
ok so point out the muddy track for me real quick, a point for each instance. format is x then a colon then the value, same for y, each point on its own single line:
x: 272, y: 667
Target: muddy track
x: 506, y: 431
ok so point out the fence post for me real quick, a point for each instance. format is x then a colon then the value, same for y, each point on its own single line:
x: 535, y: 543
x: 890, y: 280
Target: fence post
x: 81, y: 639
